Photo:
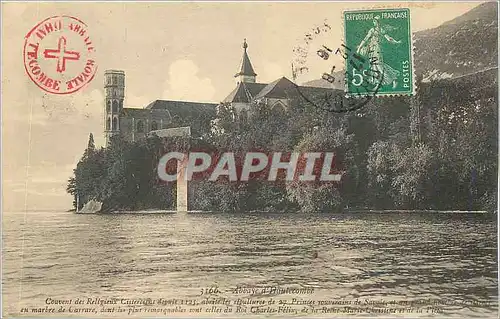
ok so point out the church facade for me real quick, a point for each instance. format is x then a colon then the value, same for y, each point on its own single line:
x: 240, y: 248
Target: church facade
x: 277, y: 95
x: 160, y: 116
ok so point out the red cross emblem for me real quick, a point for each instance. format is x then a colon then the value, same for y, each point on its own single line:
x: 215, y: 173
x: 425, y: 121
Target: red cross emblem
x: 61, y: 55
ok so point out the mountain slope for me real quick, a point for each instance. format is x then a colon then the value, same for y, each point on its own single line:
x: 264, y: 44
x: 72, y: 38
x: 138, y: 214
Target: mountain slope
x: 464, y: 45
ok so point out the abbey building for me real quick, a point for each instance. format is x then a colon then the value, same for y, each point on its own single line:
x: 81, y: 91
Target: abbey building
x: 161, y: 116
x: 155, y: 118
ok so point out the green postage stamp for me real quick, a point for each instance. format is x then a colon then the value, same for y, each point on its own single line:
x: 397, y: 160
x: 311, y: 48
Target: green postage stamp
x: 379, y: 45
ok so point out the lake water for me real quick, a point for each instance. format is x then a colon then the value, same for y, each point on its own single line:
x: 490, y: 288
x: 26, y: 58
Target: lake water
x: 364, y: 256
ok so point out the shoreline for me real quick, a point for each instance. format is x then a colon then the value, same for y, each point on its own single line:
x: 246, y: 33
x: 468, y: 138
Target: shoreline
x: 356, y: 211
x: 421, y: 211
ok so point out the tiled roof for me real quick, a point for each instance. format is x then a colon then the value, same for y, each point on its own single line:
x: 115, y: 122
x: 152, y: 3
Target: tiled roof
x: 183, y: 109
x: 244, y: 92
x: 170, y: 132
x: 280, y: 89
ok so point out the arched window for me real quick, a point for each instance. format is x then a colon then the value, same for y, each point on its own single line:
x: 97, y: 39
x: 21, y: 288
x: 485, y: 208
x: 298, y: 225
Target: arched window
x: 115, y: 106
x: 154, y: 126
x: 108, y: 107
x: 140, y: 126
x: 115, y: 123
x: 278, y: 108
x: 108, y: 124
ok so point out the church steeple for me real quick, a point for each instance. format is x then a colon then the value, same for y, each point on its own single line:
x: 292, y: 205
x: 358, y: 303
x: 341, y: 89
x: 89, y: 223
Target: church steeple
x: 246, y: 73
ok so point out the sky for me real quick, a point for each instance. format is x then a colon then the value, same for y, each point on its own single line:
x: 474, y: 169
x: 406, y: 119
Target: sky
x: 168, y: 50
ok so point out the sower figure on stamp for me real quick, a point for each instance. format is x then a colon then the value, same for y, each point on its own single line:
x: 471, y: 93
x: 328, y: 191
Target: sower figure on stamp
x: 371, y: 48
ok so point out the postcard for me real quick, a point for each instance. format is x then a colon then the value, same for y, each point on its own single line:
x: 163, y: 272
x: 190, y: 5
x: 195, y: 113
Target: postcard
x: 250, y: 159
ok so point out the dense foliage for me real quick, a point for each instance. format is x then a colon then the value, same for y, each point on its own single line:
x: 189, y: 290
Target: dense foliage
x: 437, y: 150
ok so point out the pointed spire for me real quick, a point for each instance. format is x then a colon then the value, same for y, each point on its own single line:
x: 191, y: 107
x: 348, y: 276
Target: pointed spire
x: 246, y: 73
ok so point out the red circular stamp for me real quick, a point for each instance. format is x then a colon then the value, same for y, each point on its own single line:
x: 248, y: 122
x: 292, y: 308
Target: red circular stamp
x: 59, y: 55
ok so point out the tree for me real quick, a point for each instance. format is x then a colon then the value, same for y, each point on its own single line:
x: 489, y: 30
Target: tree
x: 325, y: 196
x: 437, y: 150
x: 90, y: 150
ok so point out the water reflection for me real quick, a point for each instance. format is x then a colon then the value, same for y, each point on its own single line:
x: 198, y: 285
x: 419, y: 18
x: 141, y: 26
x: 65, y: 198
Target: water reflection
x: 390, y: 256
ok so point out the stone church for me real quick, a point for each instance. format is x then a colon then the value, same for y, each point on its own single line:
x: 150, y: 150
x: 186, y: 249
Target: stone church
x: 277, y: 95
x: 156, y: 117
x: 166, y: 118
x: 160, y: 117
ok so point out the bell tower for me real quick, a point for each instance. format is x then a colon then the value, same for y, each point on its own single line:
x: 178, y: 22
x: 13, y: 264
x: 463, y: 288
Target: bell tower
x: 114, y: 92
x: 246, y: 73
